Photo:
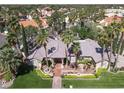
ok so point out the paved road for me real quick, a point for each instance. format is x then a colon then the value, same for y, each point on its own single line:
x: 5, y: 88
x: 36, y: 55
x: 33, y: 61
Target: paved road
x: 57, y: 81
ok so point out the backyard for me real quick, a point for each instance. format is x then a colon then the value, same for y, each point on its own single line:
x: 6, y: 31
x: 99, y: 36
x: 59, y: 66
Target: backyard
x: 108, y: 80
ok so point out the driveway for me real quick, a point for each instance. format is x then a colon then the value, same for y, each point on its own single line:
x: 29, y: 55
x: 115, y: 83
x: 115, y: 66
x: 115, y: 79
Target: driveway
x: 57, y: 76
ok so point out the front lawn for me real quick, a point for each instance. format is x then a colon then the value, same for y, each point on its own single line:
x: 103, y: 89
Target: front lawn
x: 31, y: 80
x: 107, y: 80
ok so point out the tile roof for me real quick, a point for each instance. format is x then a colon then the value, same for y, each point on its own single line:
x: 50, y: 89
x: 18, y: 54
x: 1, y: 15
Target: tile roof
x: 33, y: 23
x: 58, y: 50
x: 109, y: 20
x: 91, y: 48
x: 28, y: 22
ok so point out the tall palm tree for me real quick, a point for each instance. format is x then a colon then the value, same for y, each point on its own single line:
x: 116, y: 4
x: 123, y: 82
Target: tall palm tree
x: 103, y: 40
x: 67, y: 37
x: 120, y: 45
x: 42, y: 39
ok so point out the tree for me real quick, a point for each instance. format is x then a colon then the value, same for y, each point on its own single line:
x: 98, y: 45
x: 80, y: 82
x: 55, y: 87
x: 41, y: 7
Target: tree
x: 67, y: 37
x: 76, y: 50
x: 120, y: 44
x: 12, y: 40
x: 55, y: 21
x: 103, y: 40
x: 24, y: 40
x: 42, y: 39
x: 9, y: 60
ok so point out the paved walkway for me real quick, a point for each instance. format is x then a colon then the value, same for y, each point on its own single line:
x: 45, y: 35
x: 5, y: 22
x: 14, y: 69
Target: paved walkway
x: 57, y: 81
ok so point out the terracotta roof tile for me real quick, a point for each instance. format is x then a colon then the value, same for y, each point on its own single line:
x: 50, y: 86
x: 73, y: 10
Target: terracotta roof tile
x: 109, y: 20
x: 27, y: 23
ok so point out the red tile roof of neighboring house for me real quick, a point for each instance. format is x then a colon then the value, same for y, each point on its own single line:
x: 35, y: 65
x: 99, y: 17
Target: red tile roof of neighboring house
x: 109, y: 20
x: 28, y: 22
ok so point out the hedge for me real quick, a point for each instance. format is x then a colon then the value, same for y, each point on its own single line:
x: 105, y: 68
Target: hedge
x: 42, y: 74
x: 79, y: 77
x: 100, y: 71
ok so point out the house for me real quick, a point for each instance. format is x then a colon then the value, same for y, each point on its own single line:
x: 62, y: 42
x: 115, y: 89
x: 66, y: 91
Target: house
x: 91, y: 49
x: 56, y: 49
x: 120, y: 62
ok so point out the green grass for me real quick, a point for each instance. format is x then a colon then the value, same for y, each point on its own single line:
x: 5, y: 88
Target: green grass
x: 31, y: 80
x: 107, y: 80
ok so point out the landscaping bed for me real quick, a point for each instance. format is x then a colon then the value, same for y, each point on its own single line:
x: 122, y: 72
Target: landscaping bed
x: 98, y: 73
x: 106, y: 80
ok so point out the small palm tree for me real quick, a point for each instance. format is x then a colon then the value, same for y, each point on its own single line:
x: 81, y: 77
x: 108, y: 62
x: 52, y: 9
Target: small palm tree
x: 75, y: 50
x: 42, y: 39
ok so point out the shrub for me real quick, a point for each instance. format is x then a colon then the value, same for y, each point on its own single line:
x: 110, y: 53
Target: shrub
x: 100, y: 71
x: 8, y: 76
x: 84, y: 61
x: 42, y: 74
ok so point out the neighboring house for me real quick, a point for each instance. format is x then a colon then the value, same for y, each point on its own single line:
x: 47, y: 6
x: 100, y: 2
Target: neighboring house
x: 47, y: 11
x: 112, y: 12
x: 108, y: 20
x: 28, y: 22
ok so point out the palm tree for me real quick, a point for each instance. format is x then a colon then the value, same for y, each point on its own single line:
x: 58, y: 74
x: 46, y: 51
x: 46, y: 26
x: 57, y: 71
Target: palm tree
x: 103, y: 40
x: 42, y: 39
x: 75, y: 50
x: 55, y: 21
x: 112, y: 29
x: 13, y: 41
x: 120, y: 45
x: 67, y: 37
x: 24, y: 41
